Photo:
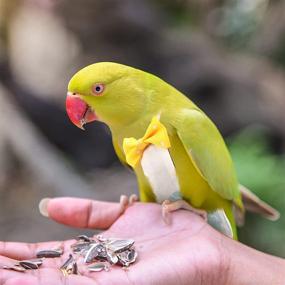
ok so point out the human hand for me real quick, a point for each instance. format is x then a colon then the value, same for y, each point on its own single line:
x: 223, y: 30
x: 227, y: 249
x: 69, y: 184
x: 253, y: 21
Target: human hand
x: 188, y: 251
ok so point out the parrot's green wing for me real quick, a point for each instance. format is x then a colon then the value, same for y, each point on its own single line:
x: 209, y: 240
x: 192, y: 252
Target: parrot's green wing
x: 208, y: 152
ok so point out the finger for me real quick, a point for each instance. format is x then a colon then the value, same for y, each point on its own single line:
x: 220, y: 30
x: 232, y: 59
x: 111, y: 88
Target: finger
x: 5, y: 261
x: 83, y: 213
x: 19, y: 251
x: 44, y: 276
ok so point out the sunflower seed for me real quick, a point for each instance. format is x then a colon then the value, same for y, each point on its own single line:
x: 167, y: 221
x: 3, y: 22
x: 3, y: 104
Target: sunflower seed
x: 74, y: 268
x: 102, y: 252
x: 15, y: 268
x: 80, y: 247
x: 84, y: 238
x: 127, y: 257
x: 101, y: 238
x: 50, y: 253
x: 27, y: 264
x: 92, y: 253
x: 132, y: 255
x: 98, y: 267
x: 37, y: 261
x: 119, y: 245
x: 68, y: 261
x: 69, y: 266
x: 112, y: 257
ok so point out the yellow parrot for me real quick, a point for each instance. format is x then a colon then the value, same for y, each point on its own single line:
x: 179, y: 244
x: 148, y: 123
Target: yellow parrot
x: 176, y: 151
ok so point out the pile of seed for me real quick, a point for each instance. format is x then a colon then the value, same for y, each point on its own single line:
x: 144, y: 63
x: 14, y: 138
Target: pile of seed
x: 98, y: 253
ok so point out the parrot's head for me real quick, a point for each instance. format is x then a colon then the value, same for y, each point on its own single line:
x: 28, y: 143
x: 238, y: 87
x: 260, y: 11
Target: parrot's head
x: 110, y: 92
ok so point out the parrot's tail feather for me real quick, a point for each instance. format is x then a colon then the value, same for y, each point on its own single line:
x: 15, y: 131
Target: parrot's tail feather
x: 255, y: 205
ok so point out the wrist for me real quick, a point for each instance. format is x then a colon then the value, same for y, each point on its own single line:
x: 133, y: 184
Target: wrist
x: 249, y: 266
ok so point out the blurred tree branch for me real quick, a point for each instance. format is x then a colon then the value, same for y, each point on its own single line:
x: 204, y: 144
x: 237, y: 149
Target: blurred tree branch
x: 33, y: 149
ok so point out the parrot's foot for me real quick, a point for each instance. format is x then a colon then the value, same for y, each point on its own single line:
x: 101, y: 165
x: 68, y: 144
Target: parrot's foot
x: 168, y: 207
x: 125, y: 202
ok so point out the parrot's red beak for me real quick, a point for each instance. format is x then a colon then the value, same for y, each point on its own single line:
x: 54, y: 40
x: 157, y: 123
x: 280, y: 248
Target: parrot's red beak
x: 78, y: 111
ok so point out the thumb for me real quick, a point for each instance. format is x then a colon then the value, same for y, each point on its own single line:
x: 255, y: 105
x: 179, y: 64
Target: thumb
x: 81, y: 213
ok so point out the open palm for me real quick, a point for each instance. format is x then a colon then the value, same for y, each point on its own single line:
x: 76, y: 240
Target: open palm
x: 187, y: 251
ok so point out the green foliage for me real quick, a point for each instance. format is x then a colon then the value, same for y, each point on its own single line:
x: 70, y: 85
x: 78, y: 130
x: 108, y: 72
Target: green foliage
x: 178, y: 12
x: 263, y: 172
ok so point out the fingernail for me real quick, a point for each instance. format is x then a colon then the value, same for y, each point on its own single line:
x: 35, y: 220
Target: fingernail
x: 43, y: 206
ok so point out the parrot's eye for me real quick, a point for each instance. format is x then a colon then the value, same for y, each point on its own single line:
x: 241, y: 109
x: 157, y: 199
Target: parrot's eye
x: 97, y: 89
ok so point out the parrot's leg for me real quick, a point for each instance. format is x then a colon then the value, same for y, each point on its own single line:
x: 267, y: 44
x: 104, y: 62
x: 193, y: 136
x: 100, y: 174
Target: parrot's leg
x: 169, y: 206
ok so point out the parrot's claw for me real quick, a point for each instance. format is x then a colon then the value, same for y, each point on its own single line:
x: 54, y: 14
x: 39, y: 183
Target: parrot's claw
x: 166, y: 212
x: 168, y: 207
x: 125, y: 202
x: 132, y: 199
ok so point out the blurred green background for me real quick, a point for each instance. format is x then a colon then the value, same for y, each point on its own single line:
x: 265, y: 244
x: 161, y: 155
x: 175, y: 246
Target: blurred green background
x: 228, y: 56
